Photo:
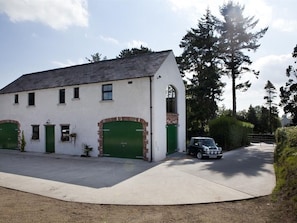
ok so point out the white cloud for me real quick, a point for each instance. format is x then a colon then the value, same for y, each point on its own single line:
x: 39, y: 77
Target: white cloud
x: 272, y: 68
x: 194, y: 9
x: 109, y: 40
x: 57, y: 14
x: 137, y: 44
x: 285, y: 25
x: 260, y: 9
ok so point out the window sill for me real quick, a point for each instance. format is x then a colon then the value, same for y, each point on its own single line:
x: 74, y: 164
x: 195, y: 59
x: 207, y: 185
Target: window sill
x: 106, y: 101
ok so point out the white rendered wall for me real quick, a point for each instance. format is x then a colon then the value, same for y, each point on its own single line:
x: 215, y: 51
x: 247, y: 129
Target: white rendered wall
x: 168, y: 74
x: 83, y: 114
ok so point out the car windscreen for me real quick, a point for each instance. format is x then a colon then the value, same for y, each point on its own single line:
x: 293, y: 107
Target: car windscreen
x: 208, y: 142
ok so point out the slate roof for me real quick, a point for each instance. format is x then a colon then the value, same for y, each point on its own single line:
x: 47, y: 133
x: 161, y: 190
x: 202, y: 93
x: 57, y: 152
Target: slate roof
x: 137, y: 66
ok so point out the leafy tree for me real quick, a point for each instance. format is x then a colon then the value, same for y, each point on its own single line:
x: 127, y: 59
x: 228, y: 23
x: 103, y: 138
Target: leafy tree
x: 96, y: 57
x: 134, y: 51
x: 252, y: 117
x: 274, y: 119
x: 288, y: 93
x: 200, y: 58
x: 260, y: 117
x: 222, y: 111
x: 236, y: 36
x: 271, y: 94
x: 264, y: 120
x: 242, y: 115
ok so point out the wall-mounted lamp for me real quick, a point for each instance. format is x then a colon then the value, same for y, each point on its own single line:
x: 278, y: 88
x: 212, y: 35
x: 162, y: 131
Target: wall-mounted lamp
x: 159, y: 77
x: 48, y: 122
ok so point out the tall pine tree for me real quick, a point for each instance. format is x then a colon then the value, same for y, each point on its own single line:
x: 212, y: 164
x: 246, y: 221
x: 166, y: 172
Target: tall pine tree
x: 236, y: 37
x: 273, y: 113
x: 200, y: 58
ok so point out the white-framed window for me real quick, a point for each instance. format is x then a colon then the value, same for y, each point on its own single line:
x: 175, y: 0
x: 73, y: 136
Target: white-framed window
x: 65, y: 133
x: 31, y: 99
x: 35, y: 132
x: 76, y: 92
x: 16, y: 98
x: 62, y: 96
x: 171, y: 102
x: 106, y: 92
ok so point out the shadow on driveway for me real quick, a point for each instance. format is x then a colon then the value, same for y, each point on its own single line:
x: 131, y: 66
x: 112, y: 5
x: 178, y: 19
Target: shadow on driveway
x: 91, y: 172
x: 249, y: 161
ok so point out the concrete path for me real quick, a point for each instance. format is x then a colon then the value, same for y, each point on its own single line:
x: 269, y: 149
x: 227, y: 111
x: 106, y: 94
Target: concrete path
x: 180, y: 179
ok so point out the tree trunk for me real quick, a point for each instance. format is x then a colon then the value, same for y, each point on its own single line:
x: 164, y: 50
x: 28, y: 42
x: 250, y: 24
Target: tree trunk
x: 233, y: 94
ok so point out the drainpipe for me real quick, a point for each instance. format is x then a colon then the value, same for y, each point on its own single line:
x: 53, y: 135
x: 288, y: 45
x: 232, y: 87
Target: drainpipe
x: 151, y: 119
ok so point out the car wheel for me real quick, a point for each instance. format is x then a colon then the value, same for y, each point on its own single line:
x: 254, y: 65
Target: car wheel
x: 219, y: 157
x: 199, y: 155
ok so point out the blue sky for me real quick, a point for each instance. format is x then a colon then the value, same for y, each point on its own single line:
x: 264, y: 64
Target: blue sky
x: 39, y: 35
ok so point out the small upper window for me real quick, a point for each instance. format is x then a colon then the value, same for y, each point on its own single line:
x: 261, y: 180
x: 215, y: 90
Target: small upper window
x: 65, y: 133
x: 76, y: 92
x: 16, y: 98
x: 35, y: 132
x: 62, y: 96
x: 107, y: 92
x: 171, y: 104
x: 31, y: 99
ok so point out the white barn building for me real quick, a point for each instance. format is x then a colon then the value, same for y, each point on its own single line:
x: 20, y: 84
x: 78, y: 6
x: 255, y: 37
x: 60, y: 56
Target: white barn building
x: 132, y: 107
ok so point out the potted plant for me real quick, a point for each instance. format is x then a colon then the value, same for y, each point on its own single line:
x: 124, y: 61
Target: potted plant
x: 86, y: 149
x: 23, y: 142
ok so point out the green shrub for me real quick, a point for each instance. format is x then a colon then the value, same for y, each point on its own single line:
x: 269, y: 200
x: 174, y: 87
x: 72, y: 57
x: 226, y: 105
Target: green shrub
x: 23, y: 142
x: 285, y: 137
x: 229, y: 132
x: 285, y: 166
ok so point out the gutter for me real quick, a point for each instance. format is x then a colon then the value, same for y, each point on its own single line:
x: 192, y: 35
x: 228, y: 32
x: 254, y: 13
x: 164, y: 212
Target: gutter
x: 151, y: 119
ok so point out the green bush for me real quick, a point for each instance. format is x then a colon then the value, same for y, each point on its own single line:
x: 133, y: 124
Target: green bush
x: 286, y: 168
x: 23, y: 142
x: 229, y: 132
x: 286, y: 140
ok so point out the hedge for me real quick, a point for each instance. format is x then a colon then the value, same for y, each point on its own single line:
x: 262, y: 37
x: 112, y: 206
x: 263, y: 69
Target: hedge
x: 285, y: 166
x: 230, y: 133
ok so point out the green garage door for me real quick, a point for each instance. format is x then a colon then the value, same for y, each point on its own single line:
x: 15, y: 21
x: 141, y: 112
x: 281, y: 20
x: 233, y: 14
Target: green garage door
x: 123, y: 139
x: 171, y: 138
x: 9, y: 136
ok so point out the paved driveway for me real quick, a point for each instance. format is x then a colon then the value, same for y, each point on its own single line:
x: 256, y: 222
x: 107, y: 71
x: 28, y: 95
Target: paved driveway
x: 90, y: 172
x: 180, y: 179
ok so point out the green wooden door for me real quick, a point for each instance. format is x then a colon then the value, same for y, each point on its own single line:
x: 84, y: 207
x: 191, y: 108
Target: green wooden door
x: 123, y: 139
x: 9, y: 136
x: 50, y: 138
x: 171, y: 138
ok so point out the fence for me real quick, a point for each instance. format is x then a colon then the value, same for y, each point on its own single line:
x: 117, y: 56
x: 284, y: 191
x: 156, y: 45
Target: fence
x: 257, y: 138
